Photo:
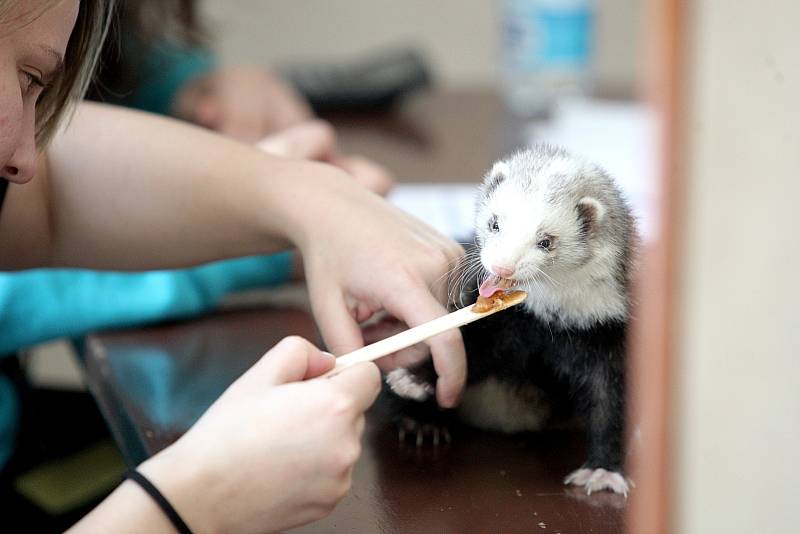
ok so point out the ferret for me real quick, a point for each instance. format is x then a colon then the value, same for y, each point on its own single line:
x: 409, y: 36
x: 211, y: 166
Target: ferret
x: 560, y: 229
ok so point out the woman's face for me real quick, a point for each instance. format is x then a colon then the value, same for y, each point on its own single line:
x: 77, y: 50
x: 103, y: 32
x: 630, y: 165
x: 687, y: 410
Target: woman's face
x: 33, y: 39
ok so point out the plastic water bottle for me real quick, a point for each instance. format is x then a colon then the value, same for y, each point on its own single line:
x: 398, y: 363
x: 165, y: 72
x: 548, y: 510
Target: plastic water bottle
x: 546, y: 52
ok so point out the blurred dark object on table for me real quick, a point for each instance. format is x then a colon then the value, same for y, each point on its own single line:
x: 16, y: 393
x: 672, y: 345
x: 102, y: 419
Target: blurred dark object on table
x: 376, y: 82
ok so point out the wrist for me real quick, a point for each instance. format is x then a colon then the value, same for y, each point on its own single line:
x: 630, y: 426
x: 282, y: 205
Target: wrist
x: 185, y: 485
x: 300, y: 195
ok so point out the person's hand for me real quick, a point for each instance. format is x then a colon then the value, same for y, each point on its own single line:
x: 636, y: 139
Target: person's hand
x: 271, y: 453
x: 316, y: 140
x: 255, y: 105
x: 241, y: 101
x: 362, y: 255
x: 313, y: 140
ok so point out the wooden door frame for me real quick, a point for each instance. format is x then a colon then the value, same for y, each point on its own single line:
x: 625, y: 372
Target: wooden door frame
x: 653, y: 334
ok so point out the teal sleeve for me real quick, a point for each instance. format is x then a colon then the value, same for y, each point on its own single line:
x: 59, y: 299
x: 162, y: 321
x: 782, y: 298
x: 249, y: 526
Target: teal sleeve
x: 9, y: 414
x: 45, y: 304
x: 166, y: 69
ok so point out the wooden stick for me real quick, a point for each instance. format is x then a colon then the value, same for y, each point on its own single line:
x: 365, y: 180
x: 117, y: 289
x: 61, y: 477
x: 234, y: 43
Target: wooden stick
x: 412, y: 336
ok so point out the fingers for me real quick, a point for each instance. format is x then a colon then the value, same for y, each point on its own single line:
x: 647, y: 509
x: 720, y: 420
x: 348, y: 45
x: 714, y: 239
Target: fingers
x: 362, y: 381
x: 387, y: 326
x: 293, y: 111
x: 450, y: 363
x: 291, y: 360
x: 405, y: 358
x: 313, y: 140
x: 390, y: 326
x: 365, y: 172
x: 338, y: 328
x: 417, y: 306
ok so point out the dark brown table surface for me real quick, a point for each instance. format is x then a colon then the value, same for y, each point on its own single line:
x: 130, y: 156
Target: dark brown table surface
x: 153, y: 383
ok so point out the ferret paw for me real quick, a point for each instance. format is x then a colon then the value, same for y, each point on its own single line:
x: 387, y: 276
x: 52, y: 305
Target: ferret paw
x: 420, y: 433
x: 599, y: 479
x: 409, y: 386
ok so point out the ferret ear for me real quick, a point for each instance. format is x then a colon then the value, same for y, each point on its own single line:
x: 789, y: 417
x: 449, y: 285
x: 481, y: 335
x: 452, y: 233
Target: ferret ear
x: 590, y: 214
x: 495, y: 176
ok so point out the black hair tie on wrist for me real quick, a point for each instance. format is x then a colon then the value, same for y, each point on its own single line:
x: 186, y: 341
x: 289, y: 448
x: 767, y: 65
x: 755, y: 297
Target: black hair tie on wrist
x: 162, y: 502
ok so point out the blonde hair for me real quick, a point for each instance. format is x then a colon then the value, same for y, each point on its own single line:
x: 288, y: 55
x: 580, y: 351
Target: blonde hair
x: 57, y: 102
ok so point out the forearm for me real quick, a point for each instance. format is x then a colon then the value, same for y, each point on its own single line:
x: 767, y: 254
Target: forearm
x: 127, y: 190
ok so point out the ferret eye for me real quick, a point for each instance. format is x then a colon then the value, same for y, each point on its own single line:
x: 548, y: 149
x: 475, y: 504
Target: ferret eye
x: 544, y: 244
x: 494, y: 226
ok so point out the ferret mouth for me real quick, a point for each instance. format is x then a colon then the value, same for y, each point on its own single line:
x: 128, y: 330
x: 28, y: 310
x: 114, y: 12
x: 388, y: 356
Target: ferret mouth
x: 495, y: 283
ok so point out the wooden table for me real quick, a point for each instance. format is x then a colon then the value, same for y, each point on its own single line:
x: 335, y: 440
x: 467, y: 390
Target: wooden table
x: 153, y: 383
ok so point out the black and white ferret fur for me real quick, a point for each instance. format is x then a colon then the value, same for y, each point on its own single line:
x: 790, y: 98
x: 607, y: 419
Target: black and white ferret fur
x: 558, y: 228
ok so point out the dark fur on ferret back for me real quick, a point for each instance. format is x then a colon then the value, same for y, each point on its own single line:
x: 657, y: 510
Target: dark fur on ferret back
x: 580, y: 370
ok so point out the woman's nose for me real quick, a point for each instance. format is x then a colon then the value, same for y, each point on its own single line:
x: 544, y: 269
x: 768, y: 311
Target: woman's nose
x: 22, y: 165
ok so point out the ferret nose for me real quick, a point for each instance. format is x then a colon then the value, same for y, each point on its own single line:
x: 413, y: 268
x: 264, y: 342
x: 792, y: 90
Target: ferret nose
x: 501, y: 270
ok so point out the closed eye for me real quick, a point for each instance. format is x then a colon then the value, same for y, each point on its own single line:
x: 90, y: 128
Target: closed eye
x: 30, y: 81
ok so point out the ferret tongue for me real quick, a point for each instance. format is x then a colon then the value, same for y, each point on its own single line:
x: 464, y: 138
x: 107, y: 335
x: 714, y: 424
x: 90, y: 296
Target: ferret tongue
x: 489, y: 287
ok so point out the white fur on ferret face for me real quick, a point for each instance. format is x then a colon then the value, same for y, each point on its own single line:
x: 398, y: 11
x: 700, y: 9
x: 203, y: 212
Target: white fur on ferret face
x: 547, y: 195
x: 525, y: 220
x: 526, y: 216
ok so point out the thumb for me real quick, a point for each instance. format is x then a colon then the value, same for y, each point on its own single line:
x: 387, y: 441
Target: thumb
x: 291, y: 360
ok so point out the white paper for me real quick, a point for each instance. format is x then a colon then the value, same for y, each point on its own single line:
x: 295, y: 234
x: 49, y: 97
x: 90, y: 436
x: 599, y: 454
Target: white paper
x: 618, y: 136
x: 449, y: 208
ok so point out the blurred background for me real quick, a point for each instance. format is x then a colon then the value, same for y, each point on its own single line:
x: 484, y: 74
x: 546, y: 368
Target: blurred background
x: 460, y: 38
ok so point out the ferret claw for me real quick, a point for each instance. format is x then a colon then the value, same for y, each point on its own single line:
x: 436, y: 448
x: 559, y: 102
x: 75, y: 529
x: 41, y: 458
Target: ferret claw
x: 599, y: 479
x: 422, y: 432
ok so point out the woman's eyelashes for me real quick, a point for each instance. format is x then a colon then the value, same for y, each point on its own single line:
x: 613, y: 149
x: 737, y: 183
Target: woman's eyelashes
x: 30, y: 82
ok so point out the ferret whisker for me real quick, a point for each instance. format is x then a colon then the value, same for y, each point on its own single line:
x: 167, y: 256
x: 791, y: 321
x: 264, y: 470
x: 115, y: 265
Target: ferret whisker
x: 455, y: 270
x: 465, y: 269
x: 548, y: 277
x: 475, y: 270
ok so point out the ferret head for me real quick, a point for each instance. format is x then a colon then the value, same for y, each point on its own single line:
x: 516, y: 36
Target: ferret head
x: 557, y: 226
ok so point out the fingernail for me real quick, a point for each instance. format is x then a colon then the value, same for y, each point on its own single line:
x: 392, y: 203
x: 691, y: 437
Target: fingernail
x: 328, y: 354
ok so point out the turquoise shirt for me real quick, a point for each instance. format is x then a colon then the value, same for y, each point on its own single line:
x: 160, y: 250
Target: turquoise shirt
x: 168, y: 67
x: 45, y: 304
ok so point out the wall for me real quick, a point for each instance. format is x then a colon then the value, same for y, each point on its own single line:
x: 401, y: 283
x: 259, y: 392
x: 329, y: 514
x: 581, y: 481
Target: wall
x: 460, y: 37
x: 738, y: 375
